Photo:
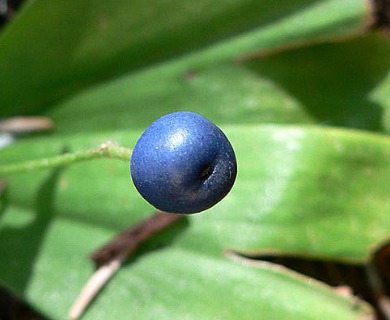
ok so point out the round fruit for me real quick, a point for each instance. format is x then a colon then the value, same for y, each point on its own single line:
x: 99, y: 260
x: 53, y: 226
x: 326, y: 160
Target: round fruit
x: 183, y: 163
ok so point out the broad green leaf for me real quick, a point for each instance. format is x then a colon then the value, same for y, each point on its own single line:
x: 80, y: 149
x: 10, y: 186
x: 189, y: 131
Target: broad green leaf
x: 279, y: 204
x: 48, y: 230
x: 55, y: 48
x: 316, y: 87
x: 170, y: 283
x: 226, y: 93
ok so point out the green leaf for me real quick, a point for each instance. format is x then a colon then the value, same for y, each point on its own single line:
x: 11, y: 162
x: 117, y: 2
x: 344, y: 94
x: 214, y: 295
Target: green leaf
x: 277, y: 167
x: 92, y: 41
x: 317, y: 87
x: 45, y: 259
x: 169, y: 282
x: 227, y: 94
x: 333, y: 90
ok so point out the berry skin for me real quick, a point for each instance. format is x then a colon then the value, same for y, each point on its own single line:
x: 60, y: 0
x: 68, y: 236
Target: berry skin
x: 183, y: 163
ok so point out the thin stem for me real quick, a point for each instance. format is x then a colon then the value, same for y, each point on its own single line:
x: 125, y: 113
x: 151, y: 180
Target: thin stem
x: 106, y: 150
x: 110, y: 257
x: 93, y: 286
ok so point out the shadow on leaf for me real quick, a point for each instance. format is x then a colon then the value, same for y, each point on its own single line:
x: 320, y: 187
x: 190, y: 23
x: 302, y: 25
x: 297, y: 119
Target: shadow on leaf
x: 21, y: 238
x: 333, y: 81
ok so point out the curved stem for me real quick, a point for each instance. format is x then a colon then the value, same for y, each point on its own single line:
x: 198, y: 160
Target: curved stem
x: 106, y: 150
x: 99, y: 278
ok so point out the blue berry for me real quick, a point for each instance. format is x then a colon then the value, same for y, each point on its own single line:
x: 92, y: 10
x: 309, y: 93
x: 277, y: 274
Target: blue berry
x: 183, y: 163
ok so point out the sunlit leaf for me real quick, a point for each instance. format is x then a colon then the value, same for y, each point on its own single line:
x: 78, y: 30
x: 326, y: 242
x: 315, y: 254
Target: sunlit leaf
x: 50, y: 232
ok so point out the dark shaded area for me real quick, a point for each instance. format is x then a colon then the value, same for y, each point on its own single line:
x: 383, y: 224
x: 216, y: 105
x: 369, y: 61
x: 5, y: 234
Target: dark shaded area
x: 12, y: 308
x: 22, y: 244
x: 333, y: 81
x: 7, y: 10
x: 382, y: 263
x: 3, y: 195
x: 381, y: 15
x: 368, y: 282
